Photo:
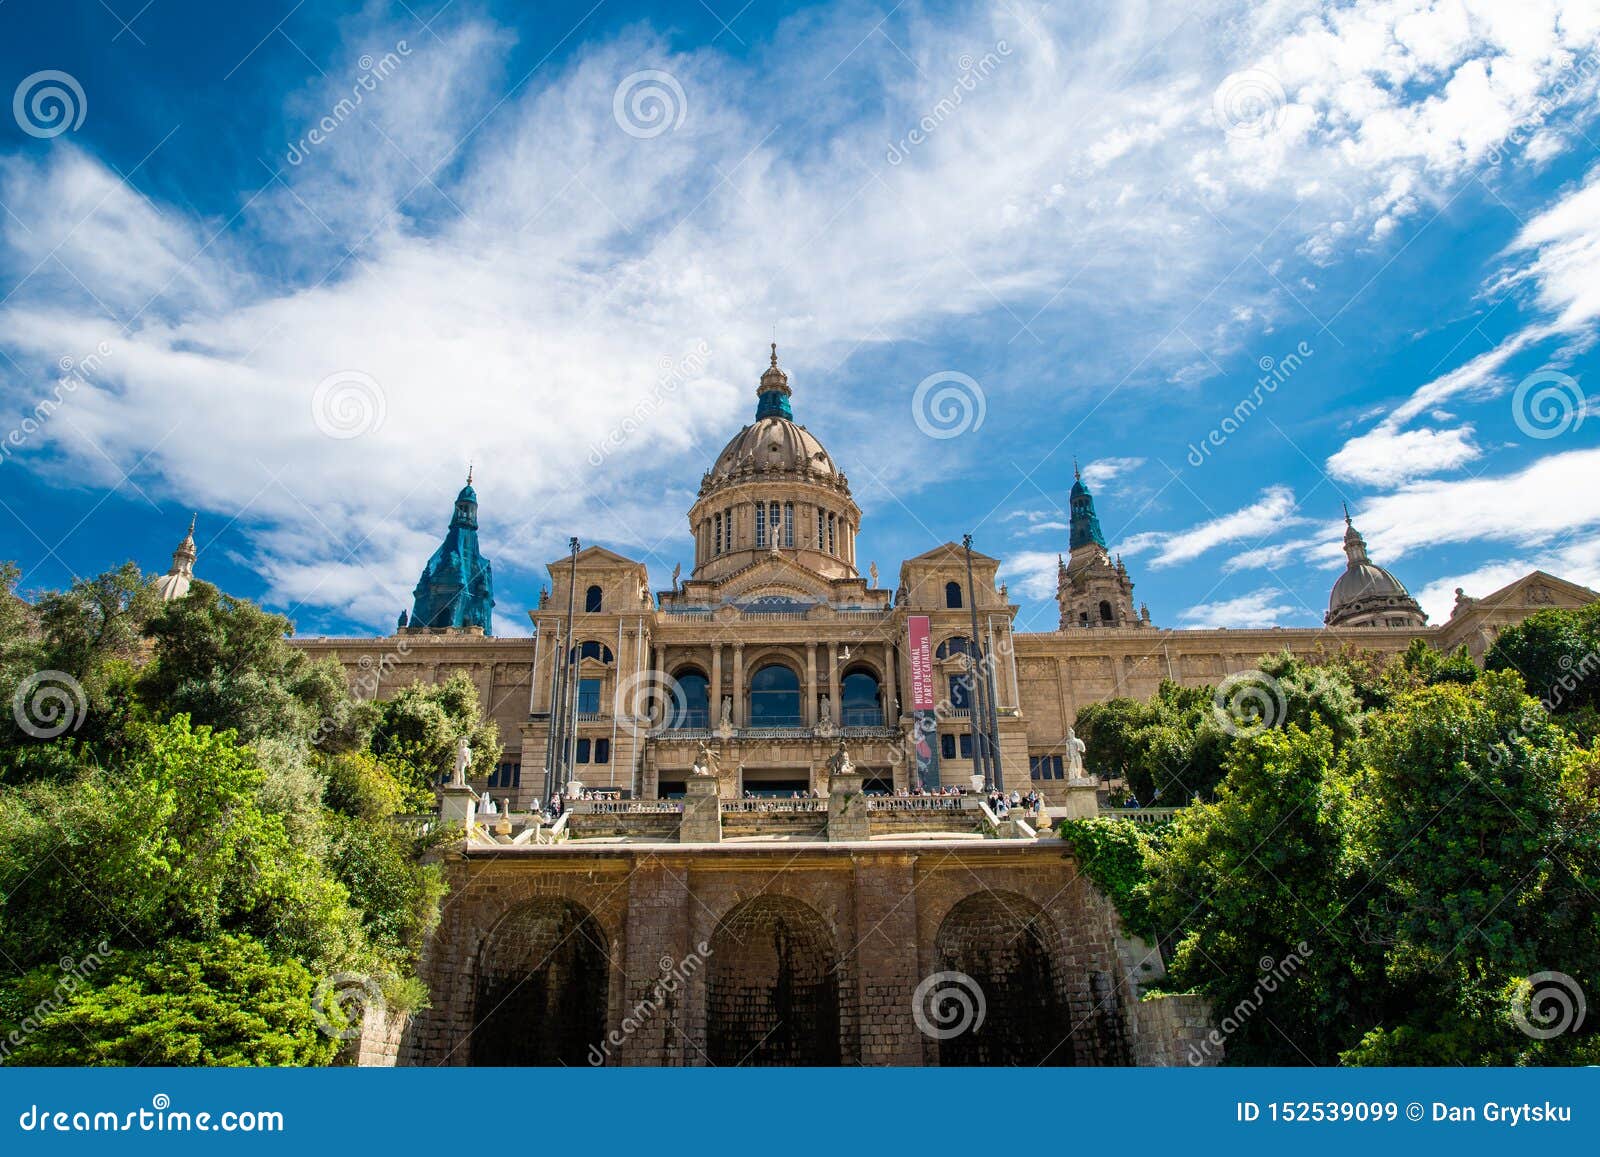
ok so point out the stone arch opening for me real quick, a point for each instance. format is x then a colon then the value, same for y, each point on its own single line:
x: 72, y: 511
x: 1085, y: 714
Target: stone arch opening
x: 773, y: 993
x: 541, y: 987
x: 860, y: 698
x: 1011, y: 951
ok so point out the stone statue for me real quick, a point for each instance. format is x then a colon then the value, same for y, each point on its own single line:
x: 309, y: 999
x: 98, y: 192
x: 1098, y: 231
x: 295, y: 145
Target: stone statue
x: 463, y: 761
x: 727, y: 711
x: 872, y: 570
x: 1075, y: 749
x: 706, y: 762
x: 839, y: 763
x: 827, y: 709
x: 677, y: 572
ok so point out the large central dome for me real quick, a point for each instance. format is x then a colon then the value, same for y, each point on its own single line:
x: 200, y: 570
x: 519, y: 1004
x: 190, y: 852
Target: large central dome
x: 774, y: 491
x: 773, y: 442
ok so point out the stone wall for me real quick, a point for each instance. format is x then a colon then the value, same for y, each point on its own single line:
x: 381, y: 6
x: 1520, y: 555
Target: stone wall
x: 1172, y: 1030
x: 704, y: 952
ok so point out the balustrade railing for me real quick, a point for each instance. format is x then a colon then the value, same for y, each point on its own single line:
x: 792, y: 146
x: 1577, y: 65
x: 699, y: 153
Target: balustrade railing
x: 1149, y: 816
x: 624, y: 807
x: 774, y: 806
x: 922, y: 803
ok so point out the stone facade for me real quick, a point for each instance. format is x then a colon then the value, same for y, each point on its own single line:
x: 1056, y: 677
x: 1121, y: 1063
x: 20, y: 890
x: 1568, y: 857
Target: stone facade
x: 776, y: 645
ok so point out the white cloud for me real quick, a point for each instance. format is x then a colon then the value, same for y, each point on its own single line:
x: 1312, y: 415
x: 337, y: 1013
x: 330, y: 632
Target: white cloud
x: 1275, y: 510
x: 1100, y: 472
x: 1577, y: 562
x: 1384, y: 457
x: 1031, y: 573
x: 1266, y: 607
x: 513, y: 290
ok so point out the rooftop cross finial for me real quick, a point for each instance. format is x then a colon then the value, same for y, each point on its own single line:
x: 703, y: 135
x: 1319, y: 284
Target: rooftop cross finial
x: 774, y: 355
x: 1346, y: 506
x: 1077, y: 475
x: 192, y: 519
x: 469, y: 472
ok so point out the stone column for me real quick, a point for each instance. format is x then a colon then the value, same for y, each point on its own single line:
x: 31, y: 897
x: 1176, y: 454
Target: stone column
x: 833, y: 681
x: 887, y: 971
x: 738, y: 685
x: 657, y: 953
x: 702, y: 811
x: 714, y: 708
x: 811, y: 684
x: 847, y: 807
x: 891, y: 691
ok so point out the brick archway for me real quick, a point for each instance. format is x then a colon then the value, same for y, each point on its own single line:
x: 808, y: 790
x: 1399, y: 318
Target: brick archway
x: 541, y: 986
x: 773, y: 995
x: 1010, y: 950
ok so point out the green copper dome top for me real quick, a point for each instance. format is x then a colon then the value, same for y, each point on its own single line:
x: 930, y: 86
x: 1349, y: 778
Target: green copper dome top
x: 457, y: 586
x: 1085, y: 523
x: 772, y: 396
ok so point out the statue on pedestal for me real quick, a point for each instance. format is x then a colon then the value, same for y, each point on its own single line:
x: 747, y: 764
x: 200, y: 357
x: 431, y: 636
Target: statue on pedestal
x: 839, y: 763
x: 706, y: 762
x: 1075, y: 749
x: 463, y: 761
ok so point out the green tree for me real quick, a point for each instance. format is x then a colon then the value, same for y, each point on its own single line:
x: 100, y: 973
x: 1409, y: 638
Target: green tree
x: 222, y: 1001
x: 417, y: 731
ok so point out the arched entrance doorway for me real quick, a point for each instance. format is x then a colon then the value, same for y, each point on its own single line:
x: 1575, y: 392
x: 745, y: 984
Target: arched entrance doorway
x: 773, y: 996
x: 541, y: 987
x: 1009, y: 948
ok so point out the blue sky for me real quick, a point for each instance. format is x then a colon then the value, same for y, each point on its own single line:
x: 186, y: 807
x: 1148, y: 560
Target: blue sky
x: 1092, y: 230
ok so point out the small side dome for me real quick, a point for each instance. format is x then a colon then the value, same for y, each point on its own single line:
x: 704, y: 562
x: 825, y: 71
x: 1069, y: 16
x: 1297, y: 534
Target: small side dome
x: 1366, y: 595
x: 176, y: 582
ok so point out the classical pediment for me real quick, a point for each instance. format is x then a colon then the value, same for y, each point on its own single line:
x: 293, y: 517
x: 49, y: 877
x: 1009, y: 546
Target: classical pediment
x: 1533, y: 591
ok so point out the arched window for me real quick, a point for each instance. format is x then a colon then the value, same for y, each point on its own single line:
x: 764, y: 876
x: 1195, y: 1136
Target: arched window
x: 788, y: 524
x: 761, y: 524
x: 861, y: 699
x: 689, y: 701
x: 775, y: 697
x: 952, y: 596
x: 592, y: 598
x: 955, y: 645
x: 591, y: 650
x: 1105, y: 612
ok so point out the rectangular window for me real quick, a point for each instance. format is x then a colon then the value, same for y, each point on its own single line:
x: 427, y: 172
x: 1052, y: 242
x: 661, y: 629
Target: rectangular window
x: 602, y: 751
x: 772, y: 521
x: 819, y: 528
x: 716, y: 521
x: 506, y: 775
x: 761, y: 524
x: 583, y: 751
x: 830, y: 535
x: 947, y: 746
x: 1055, y: 767
x: 961, y: 692
x: 788, y: 524
x: 588, y: 696
x: 966, y: 746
